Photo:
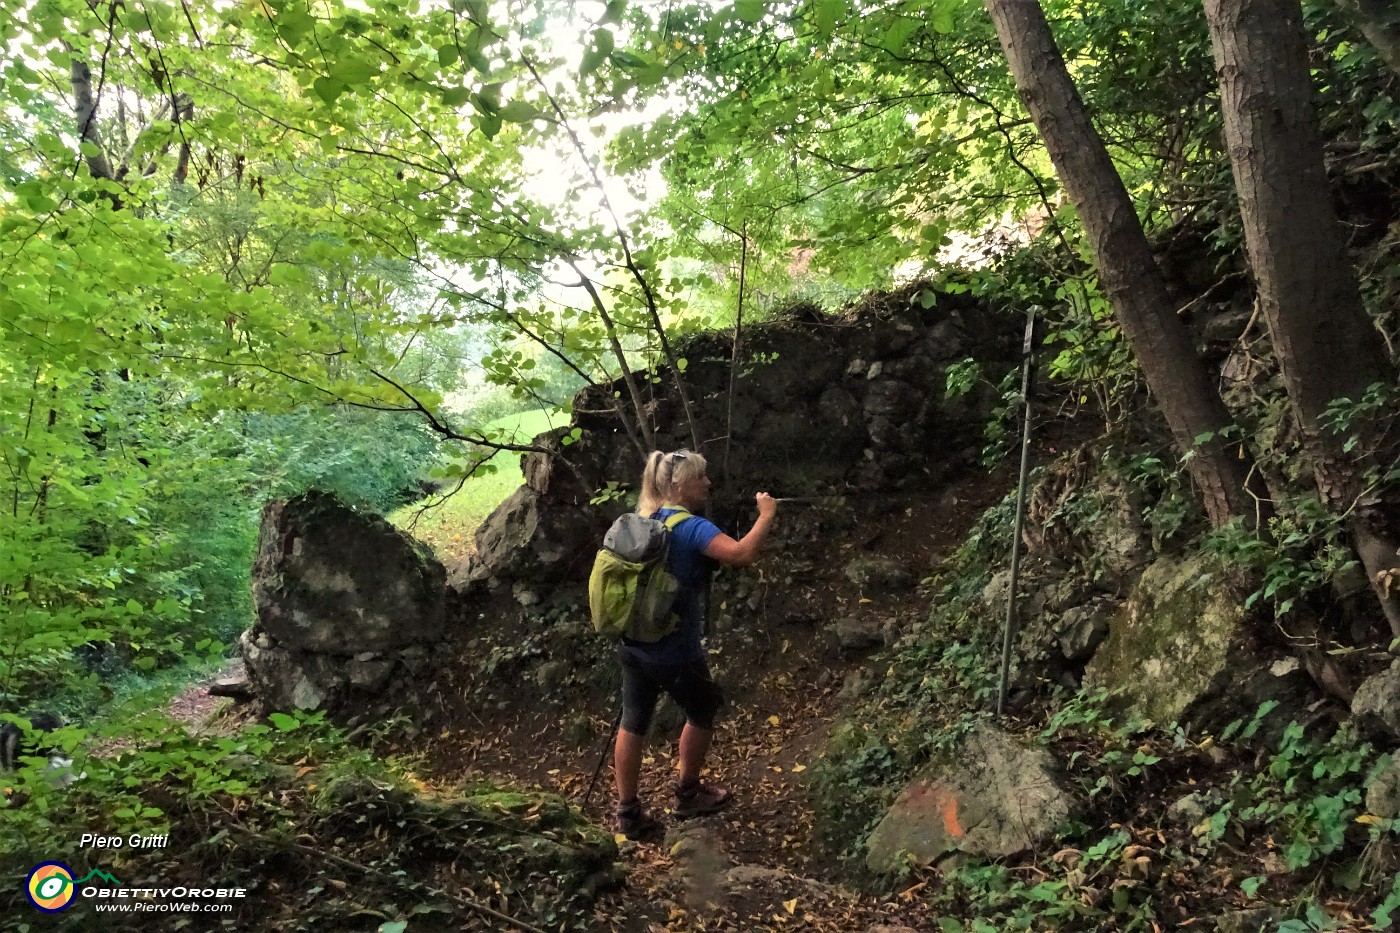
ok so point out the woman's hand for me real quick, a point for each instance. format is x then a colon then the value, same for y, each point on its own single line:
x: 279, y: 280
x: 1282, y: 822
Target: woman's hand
x: 767, y: 505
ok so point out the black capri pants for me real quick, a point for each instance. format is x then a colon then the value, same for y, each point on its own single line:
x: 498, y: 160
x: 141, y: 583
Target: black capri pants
x: 690, y: 685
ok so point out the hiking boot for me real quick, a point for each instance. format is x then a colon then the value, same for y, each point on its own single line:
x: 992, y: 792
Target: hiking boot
x: 635, y: 823
x: 696, y: 798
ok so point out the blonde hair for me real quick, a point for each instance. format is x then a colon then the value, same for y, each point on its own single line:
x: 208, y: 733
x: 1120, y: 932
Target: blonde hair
x: 664, y: 475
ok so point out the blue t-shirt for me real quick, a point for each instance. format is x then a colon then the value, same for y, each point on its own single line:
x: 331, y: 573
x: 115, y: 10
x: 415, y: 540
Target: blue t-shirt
x: 687, y: 562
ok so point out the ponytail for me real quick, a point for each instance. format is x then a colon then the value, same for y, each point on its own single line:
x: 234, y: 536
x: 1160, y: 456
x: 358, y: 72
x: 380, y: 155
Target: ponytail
x: 651, y: 497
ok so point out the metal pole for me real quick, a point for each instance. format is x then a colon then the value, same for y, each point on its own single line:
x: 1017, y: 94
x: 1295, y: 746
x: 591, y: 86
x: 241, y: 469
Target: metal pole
x: 602, y: 758
x: 1008, y: 633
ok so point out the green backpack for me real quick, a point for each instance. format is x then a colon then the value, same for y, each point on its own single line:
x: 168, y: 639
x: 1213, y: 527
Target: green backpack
x: 630, y: 591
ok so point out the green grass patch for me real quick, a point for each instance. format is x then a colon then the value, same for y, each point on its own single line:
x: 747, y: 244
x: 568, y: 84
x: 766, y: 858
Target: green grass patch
x: 524, y: 427
x: 449, y: 526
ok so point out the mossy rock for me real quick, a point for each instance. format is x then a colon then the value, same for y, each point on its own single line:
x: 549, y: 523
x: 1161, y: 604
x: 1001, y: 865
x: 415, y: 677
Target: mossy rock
x: 1169, y: 645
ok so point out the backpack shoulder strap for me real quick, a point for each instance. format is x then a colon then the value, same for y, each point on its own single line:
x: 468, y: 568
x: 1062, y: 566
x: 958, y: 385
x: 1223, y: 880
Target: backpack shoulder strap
x: 676, y: 517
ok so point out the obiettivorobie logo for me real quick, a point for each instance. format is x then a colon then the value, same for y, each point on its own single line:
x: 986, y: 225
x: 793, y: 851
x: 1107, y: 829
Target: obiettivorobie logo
x: 52, y: 888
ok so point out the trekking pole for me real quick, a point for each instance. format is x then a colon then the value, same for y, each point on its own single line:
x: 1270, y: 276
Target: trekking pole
x: 617, y: 723
x: 1027, y: 364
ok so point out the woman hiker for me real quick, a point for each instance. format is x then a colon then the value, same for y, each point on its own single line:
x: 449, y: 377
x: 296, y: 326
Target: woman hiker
x: 677, y: 663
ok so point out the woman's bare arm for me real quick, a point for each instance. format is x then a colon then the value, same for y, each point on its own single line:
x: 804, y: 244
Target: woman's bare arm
x: 745, y: 551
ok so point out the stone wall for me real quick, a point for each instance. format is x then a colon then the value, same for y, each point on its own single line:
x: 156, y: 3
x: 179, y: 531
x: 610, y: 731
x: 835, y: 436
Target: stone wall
x: 851, y: 403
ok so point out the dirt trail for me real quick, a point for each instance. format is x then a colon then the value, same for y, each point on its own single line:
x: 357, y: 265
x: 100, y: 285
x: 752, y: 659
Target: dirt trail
x: 195, y: 707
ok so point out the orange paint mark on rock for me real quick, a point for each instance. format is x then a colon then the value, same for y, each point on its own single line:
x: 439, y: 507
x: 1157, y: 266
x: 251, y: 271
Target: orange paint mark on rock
x: 950, y: 817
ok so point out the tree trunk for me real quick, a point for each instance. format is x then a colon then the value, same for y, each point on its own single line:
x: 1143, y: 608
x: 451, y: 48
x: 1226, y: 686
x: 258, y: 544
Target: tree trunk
x: 1379, y: 22
x: 1326, y: 345
x: 85, y: 116
x: 1135, y: 287
x: 734, y: 350
x: 645, y: 441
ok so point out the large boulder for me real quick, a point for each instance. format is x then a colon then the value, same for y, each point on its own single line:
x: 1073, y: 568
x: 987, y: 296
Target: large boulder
x: 1181, y: 649
x: 532, y: 538
x: 1170, y: 644
x: 996, y: 798
x: 349, y: 608
x: 332, y: 580
x: 850, y: 402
